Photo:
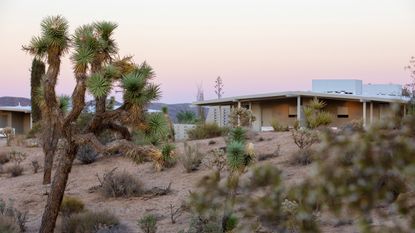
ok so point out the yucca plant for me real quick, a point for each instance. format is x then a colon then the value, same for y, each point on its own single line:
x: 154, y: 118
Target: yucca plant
x: 238, y: 134
x: 315, y: 116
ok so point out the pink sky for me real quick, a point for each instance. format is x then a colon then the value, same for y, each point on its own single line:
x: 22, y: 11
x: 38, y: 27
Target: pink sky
x: 255, y: 46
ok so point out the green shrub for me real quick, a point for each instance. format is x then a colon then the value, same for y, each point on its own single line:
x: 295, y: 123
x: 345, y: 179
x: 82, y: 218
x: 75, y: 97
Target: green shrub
x: 186, y: 117
x: 206, y: 130
x: 4, y: 157
x: 120, y: 184
x: 304, y: 138
x: 237, y: 134
x: 89, y: 222
x: 15, y: 170
x: 169, y: 159
x: 148, y: 223
x: 86, y: 154
x: 71, y: 205
x: 191, y: 158
x: 278, y: 127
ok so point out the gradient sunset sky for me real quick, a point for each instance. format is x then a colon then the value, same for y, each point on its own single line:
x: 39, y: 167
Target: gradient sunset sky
x: 256, y: 46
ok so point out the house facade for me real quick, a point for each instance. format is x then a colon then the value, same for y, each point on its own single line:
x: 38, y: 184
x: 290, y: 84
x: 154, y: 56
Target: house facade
x: 346, y: 100
x: 17, y: 117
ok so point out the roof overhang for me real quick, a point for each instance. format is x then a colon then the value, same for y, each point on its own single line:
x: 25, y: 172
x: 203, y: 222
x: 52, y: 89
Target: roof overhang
x: 16, y: 109
x: 292, y: 94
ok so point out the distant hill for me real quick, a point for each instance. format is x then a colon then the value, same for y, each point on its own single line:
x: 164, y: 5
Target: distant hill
x: 14, y: 101
x: 173, y: 108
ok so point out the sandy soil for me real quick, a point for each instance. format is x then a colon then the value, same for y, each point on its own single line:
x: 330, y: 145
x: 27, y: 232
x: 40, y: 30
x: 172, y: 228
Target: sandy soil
x: 28, y: 193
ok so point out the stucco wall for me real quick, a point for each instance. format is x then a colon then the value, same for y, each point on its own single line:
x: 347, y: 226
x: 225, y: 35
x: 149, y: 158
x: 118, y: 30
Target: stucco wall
x: 18, y: 120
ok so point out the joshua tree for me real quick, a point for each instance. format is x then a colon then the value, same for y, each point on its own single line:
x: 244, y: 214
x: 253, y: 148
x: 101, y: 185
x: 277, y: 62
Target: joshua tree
x: 165, y: 111
x: 37, y: 72
x: 97, y: 69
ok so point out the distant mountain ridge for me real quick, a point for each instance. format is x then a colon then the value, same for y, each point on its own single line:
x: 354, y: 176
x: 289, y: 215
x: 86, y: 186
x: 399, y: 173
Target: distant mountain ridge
x: 14, y: 101
x: 173, y: 108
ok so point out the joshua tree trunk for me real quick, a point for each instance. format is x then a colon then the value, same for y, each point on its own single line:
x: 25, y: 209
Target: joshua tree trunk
x: 38, y: 70
x: 50, y: 139
x: 57, y: 190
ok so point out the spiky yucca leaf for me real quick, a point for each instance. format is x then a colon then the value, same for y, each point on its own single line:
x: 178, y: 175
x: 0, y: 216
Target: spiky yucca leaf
x: 157, y: 128
x: 37, y: 47
x: 55, y: 32
x: 98, y: 85
x: 111, y: 72
x: 64, y: 103
x: 138, y: 91
x: 236, y: 155
x: 105, y: 28
x: 81, y: 58
x: 237, y: 134
x: 125, y: 65
x: 84, y: 37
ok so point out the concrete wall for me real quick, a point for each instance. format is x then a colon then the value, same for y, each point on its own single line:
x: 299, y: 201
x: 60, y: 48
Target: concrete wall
x: 180, y: 131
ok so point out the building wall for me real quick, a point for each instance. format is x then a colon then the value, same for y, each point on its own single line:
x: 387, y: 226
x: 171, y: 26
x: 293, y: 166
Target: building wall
x: 18, y: 120
x: 279, y: 110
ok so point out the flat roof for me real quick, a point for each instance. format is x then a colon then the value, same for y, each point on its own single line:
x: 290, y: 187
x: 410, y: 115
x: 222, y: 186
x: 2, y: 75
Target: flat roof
x: 25, y: 109
x: 290, y: 94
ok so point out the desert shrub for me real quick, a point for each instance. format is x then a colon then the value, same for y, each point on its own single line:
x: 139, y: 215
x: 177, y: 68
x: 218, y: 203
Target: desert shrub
x: 206, y: 130
x: 191, y: 158
x: 120, y: 184
x: 302, y: 157
x: 35, y: 130
x: 315, y: 116
x: 88, y: 222
x: 148, y: 223
x: 276, y: 153
x: 17, y: 156
x: 71, y: 205
x: 4, y: 157
x: 86, y: 154
x: 167, y: 151
x: 9, y: 133
x: 304, y: 138
x: 278, y: 127
x: 35, y: 166
x: 236, y: 155
x: 243, y: 115
x: 11, y: 219
x: 15, y: 170
x: 237, y: 134
x: 355, y: 125
x: 217, y: 160
x: 8, y: 225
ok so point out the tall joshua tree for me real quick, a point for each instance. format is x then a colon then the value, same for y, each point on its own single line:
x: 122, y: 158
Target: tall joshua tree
x: 37, y: 72
x: 97, y: 70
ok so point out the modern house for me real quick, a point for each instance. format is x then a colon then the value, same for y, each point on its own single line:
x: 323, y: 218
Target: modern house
x: 347, y: 100
x: 17, y: 117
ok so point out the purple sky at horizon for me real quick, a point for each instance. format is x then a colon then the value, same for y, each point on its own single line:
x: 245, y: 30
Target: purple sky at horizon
x: 255, y: 46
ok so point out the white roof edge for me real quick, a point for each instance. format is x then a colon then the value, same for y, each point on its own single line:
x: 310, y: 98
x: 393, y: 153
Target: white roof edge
x: 303, y: 93
x: 25, y: 109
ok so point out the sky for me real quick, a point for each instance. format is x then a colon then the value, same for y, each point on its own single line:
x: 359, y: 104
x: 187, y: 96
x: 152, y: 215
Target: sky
x: 256, y: 46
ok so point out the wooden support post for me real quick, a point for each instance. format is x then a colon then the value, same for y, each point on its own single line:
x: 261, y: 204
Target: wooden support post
x: 364, y: 114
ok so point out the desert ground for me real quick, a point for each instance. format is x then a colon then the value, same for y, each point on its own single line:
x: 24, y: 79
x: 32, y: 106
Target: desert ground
x: 28, y: 193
